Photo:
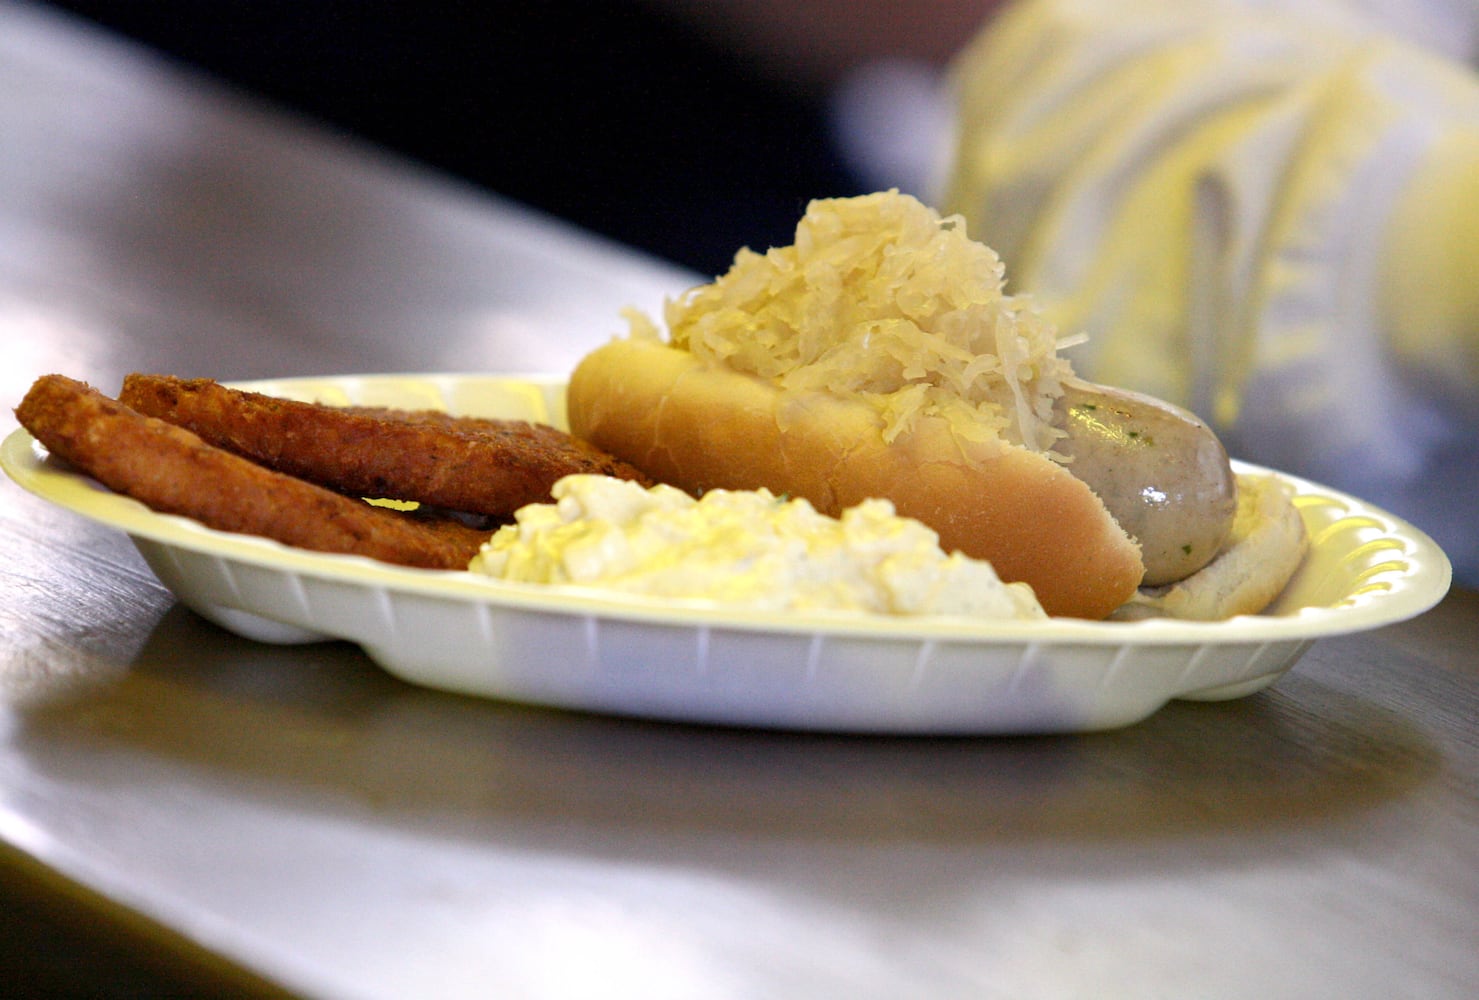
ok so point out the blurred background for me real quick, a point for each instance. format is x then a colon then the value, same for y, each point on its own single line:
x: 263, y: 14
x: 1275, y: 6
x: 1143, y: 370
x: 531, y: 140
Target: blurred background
x: 682, y: 127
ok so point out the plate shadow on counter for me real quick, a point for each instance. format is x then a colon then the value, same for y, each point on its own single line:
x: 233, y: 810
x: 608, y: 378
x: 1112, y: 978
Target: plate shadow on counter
x: 322, y: 725
x: 322, y: 730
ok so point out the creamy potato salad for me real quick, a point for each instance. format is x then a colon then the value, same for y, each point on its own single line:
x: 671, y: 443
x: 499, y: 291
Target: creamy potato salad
x: 745, y: 549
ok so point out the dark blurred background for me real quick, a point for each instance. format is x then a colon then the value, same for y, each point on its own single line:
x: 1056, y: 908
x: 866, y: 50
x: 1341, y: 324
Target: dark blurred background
x: 618, y: 115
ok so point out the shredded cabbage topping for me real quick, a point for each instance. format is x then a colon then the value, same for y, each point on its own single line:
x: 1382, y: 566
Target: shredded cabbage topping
x: 882, y: 299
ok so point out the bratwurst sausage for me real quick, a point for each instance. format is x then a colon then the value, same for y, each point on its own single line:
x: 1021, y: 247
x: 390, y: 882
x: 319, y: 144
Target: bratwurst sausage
x: 1162, y: 473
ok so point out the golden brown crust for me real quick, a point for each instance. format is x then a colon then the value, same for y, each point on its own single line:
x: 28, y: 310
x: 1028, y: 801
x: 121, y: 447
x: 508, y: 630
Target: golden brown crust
x: 482, y: 466
x: 173, y: 471
x: 702, y: 428
x: 1267, y: 544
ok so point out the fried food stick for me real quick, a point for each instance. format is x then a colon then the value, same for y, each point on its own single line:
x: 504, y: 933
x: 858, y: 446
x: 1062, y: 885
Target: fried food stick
x: 480, y: 466
x: 173, y: 471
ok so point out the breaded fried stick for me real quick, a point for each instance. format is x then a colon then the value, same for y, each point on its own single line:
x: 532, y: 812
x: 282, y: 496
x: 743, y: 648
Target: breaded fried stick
x: 480, y: 466
x: 173, y: 471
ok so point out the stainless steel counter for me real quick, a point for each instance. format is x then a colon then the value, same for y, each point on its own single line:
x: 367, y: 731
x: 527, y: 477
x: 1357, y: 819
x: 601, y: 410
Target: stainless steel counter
x: 184, y: 809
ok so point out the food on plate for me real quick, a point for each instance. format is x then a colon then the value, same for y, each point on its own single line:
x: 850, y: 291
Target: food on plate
x: 879, y: 356
x: 745, y: 549
x: 1267, y: 543
x: 173, y: 471
x: 1160, y: 471
x: 874, y: 369
x: 469, y: 464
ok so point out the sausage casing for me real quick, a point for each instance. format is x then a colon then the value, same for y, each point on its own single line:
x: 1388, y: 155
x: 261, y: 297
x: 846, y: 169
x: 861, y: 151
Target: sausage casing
x: 1161, y: 471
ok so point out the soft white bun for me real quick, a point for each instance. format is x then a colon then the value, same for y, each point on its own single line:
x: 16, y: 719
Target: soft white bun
x: 1267, y: 544
x: 701, y: 427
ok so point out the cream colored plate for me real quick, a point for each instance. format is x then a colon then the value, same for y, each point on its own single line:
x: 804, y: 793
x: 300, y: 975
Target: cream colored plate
x: 590, y: 651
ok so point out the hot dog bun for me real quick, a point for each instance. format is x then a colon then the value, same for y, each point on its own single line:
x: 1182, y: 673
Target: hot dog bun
x: 700, y: 427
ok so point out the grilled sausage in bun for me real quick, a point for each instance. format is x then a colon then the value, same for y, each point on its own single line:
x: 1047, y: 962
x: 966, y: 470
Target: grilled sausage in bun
x: 878, y: 356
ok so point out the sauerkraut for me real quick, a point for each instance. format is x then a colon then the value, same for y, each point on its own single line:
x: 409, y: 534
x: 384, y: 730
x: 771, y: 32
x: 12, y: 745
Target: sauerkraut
x: 882, y: 299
